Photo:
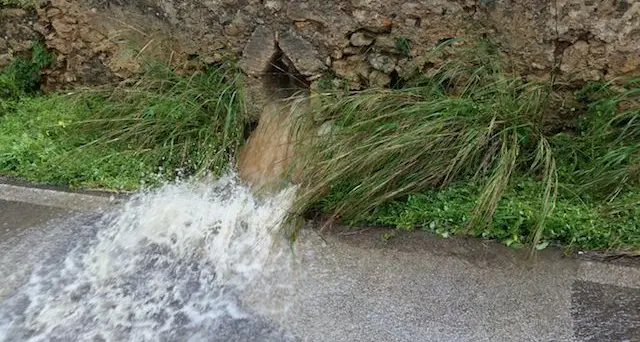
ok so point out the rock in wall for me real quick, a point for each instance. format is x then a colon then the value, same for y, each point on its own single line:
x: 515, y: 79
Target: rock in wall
x: 365, y: 42
x: 16, y: 33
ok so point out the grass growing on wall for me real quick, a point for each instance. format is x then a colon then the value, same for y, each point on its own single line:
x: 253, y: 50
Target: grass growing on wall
x: 464, y: 151
x: 22, y: 76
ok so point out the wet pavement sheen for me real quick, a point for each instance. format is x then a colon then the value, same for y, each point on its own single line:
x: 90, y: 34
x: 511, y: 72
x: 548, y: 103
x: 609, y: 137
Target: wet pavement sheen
x: 352, y: 286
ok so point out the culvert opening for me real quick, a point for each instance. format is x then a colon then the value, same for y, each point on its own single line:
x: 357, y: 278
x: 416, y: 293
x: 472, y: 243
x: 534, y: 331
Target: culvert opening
x: 267, y: 154
x: 283, y: 80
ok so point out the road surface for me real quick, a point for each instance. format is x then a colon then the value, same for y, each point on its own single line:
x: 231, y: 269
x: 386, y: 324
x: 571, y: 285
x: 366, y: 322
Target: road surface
x: 350, y: 285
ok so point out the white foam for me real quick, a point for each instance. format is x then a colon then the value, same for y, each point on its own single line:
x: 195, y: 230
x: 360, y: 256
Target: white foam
x: 168, y: 266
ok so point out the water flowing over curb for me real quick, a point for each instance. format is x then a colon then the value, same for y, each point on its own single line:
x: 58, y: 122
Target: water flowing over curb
x: 170, y: 265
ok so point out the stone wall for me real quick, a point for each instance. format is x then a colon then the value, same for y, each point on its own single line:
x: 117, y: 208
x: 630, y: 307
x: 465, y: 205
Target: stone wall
x: 16, y: 33
x: 366, y: 42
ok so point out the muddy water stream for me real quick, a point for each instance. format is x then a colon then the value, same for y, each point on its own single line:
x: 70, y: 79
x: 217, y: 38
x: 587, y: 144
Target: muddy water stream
x: 266, y: 159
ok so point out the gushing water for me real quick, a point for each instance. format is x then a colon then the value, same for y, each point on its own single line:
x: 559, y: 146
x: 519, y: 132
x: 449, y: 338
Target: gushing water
x: 172, y: 265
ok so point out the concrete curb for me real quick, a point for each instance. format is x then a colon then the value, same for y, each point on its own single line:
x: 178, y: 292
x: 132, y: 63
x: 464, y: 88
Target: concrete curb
x: 57, y: 199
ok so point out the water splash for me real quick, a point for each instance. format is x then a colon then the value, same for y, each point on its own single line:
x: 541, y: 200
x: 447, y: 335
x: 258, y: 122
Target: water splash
x: 169, y: 266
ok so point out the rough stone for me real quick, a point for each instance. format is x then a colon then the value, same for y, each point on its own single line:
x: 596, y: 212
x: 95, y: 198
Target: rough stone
x: 381, y: 62
x: 13, y: 13
x: 411, y: 22
x: 575, y: 58
x: 61, y: 26
x: 256, y: 94
x: 372, y: 21
x: 5, y: 59
x: 361, y: 39
x: 407, y: 68
x: 74, y: 34
x: 16, y: 34
x: 352, y: 50
x: 259, y: 52
x: 379, y: 79
x: 385, y: 43
x: 301, y: 53
x: 352, y: 68
x: 273, y: 5
x: 232, y: 30
x: 410, y: 9
x: 329, y: 16
x: 582, y: 39
x: 632, y: 64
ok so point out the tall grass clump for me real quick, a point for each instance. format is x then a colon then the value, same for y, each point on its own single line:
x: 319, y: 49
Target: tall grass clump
x: 189, y: 123
x: 468, y: 122
x: 601, y: 158
x: 141, y: 133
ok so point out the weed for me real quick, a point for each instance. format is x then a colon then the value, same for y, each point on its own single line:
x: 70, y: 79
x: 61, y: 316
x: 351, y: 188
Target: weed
x: 602, y: 157
x: 22, y: 75
x: 403, y: 46
x: 393, y: 143
x: 461, y: 151
x: 329, y: 82
x: 573, y: 223
x: 37, y: 143
x: 387, y: 236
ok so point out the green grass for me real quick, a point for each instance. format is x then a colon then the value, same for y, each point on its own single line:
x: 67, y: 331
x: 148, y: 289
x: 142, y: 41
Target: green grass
x: 38, y: 143
x: 399, y: 152
x: 573, y: 223
x: 403, y: 46
x: 160, y: 127
x: 602, y: 157
x: 195, y: 123
x: 22, y: 76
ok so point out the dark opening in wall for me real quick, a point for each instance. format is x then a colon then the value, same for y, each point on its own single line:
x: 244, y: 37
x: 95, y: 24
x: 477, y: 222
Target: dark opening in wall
x: 396, y: 81
x: 283, y: 80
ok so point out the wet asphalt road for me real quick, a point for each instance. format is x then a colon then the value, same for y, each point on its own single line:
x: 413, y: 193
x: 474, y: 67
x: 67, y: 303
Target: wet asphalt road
x: 18, y: 216
x: 351, y: 286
